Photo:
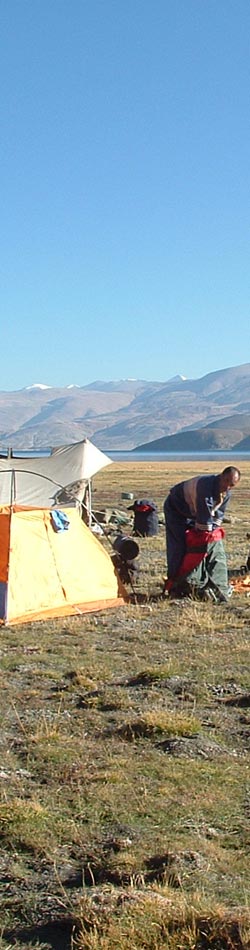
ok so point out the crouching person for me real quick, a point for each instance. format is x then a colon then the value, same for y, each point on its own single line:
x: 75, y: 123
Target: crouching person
x: 194, y: 512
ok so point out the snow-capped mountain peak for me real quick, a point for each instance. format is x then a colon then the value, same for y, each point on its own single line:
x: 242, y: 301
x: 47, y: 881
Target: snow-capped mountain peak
x: 38, y: 386
x: 177, y: 379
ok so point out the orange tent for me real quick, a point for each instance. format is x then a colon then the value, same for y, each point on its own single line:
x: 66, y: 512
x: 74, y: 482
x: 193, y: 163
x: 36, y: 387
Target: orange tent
x: 49, y: 573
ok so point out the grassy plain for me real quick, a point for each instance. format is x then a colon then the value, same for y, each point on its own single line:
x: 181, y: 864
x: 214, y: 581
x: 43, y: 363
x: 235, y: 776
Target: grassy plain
x: 125, y: 760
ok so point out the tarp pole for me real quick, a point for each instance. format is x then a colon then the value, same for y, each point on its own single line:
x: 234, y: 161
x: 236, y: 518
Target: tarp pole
x: 89, y: 504
x: 13, y: 487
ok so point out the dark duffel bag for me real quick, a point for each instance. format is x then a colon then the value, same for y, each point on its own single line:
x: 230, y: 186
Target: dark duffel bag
x: 145, y: 517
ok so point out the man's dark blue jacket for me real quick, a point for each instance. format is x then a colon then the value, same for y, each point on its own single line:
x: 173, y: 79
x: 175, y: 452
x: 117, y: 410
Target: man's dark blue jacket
x: 199, y: 501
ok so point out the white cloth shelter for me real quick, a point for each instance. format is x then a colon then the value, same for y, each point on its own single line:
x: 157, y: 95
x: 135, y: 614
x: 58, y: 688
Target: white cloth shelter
x: 56, y: 479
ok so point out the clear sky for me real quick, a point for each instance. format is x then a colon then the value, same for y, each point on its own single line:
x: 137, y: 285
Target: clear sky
x: 125, y: 189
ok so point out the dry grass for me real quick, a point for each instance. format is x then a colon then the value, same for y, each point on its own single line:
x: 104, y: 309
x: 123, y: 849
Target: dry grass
x: 153, y: 919
x: 112, y: 843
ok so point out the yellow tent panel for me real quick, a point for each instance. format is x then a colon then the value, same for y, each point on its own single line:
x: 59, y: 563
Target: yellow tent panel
x: 49, y: 573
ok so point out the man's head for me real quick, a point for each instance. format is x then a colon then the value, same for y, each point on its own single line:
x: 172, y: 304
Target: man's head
x: 229, y: 478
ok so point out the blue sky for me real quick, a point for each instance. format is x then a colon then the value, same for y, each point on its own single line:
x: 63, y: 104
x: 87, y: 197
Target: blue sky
x: 125, y: 198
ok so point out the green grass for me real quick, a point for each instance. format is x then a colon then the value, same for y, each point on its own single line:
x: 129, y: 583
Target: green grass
x: 125, y: 765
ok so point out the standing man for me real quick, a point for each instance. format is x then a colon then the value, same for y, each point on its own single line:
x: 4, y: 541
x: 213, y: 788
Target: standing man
x: 194, y: 511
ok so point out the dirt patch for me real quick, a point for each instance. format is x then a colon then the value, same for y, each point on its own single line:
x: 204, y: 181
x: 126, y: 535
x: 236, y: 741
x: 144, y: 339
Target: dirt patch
x: 192, y: 747
x: 241, y: 700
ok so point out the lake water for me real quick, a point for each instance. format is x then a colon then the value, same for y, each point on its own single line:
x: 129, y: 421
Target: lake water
x: 134, y: 456
x: 229, y: 457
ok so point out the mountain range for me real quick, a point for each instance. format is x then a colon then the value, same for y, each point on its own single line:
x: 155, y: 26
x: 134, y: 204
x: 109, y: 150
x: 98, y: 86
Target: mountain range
x: 210, y: 412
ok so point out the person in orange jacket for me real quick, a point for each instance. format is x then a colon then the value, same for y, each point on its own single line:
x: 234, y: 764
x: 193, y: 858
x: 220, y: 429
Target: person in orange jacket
x: 194, y: 510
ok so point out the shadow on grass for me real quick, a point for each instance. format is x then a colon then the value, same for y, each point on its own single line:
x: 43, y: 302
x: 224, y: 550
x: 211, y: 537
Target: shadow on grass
x: 54, y: 934
x: 210, y: 934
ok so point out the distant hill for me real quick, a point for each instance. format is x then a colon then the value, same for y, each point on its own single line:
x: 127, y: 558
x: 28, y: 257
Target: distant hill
x: 203, y: 440
x: 227, y: 433
x: 210, y: 412
x: 243, y: 445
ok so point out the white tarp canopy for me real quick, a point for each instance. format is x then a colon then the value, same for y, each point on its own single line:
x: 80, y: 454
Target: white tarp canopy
x: 46, y: 481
